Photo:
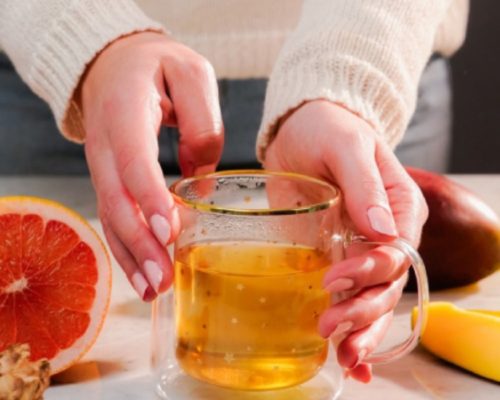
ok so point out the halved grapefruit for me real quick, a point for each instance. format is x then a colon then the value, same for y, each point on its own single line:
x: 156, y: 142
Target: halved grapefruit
x: 55, y: 280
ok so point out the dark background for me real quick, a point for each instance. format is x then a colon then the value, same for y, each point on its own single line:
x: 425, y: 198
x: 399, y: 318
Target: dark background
x: 476, y: 84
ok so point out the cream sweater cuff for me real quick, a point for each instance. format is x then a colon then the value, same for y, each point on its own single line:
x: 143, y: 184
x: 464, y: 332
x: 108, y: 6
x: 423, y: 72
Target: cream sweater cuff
x: 355, y: 85
x: 367, y: 56
x: 73, y: 40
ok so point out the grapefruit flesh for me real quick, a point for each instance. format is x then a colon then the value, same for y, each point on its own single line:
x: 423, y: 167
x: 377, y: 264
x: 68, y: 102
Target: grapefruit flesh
x: 55, y: 280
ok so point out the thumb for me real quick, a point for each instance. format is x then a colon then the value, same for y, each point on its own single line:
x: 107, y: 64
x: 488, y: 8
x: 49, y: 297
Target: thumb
x: 193, y: 89
x: 366, y: 201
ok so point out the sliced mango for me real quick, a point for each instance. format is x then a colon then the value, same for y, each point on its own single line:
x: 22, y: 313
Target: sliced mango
x: 467, y: 338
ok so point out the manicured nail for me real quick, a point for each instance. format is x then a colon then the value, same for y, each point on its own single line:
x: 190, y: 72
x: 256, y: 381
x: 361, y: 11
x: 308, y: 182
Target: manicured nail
x: 339, y: 285
x: 161, y: 228
x: 139, y: 283
x: 149, y: 295
x: 381, y: 221
x: 341, y: 328
x: 154, y: 274
x: 361, y: 355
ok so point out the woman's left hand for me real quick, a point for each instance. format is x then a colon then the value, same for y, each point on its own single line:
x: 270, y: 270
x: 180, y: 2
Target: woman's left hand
x: 325, y: 140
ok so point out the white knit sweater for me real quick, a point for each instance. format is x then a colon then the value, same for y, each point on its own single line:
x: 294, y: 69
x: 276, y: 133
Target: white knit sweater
x: 365, y: 54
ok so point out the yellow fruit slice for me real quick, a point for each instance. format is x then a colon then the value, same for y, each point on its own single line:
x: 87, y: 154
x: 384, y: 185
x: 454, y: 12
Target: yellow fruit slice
x: 55, y: 280
x: 467, y: 338
x: 488, y: 312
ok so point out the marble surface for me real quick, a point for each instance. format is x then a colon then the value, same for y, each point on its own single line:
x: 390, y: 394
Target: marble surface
x: 117, y: 367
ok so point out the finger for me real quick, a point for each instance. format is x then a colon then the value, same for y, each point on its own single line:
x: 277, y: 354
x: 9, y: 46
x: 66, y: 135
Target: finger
x: 405, y: 198
x: 168, y: 113
x: 129, y: 266
x: 167, y: 108
x: 377, y: 266
x: 133, y: 139
x: 361, y: 373
x: 119, y: 212
x: 358, y: 176
x: 360, y: 310
x: 193, y: 89
x: 357, y: 346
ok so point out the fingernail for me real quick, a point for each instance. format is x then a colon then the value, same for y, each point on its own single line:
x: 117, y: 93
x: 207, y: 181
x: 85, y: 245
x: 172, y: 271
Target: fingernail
x: 361, y: 355
x: 154, y: 274
x: 149, y: 295
x: 161, y: 228
x: 341, y: 328
x: 339, y: 285
x: 139, y: 283
x: 381, y: 221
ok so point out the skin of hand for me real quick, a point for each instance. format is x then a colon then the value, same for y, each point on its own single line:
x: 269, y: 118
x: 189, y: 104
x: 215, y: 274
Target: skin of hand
x: 135, y: 85
x: 325, y: 140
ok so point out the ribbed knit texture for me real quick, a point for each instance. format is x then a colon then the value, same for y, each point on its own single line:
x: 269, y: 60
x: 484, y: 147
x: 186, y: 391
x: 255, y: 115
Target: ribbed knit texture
x: 51, y: 42
x: 365, y: 55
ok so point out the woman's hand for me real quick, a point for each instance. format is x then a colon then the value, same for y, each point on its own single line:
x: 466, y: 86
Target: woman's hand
x: 136, y: 84
x: 325, y: 140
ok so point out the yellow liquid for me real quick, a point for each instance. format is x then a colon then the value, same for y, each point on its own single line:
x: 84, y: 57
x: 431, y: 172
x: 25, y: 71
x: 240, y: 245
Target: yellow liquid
x: 247, y: 313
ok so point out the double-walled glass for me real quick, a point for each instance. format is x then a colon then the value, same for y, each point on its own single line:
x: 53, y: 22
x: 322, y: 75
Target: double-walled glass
x: 249, y: 265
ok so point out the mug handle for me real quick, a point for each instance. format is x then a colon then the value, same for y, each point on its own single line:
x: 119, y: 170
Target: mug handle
x: 402, y: 349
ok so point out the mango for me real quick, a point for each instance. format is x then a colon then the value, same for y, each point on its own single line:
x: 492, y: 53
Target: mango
x: 467, y: 338
x: 461, y: 238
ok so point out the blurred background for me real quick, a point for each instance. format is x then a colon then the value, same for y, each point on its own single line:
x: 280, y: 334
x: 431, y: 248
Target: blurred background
x: 476, y: 101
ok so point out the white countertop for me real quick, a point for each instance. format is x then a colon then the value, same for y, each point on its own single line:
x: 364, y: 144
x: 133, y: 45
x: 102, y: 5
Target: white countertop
x: 117, y: 367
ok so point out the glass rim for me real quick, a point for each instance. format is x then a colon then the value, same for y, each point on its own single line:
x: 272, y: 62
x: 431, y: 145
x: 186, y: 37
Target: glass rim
x: 214, y: 208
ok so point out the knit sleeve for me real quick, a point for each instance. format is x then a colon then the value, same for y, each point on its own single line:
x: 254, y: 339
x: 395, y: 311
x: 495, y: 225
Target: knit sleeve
x: 365, y: 55
x: 50, y: 43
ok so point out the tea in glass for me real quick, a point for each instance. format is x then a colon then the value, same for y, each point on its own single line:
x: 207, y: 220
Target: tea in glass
x: 247, y: 313
x: 249, y: 264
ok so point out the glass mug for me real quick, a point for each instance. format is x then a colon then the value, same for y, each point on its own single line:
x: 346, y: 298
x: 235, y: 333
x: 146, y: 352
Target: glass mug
x: 247, y: 295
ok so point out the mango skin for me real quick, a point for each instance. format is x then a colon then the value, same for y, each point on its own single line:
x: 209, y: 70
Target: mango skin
x: 461, y: 239
x: 469, y: 339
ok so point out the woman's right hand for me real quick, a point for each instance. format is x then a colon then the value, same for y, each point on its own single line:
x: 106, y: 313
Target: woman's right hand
x: 133, y: 86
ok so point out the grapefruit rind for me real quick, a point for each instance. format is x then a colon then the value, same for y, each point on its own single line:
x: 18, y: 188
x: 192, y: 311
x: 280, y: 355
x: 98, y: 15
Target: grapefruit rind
x: 51, y: 210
